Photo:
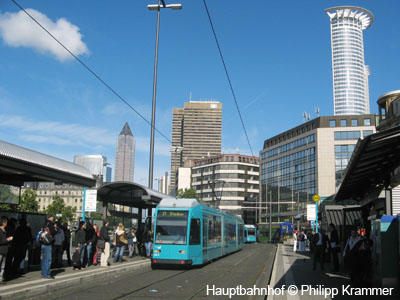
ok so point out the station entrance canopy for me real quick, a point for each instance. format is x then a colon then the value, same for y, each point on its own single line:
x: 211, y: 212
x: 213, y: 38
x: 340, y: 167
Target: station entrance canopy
x: 129, y: 194
x: 19, y: 165
x: 371, y: 166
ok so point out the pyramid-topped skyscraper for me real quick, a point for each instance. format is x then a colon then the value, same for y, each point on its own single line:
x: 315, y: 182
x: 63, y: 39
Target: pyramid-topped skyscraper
x: 125, y: 155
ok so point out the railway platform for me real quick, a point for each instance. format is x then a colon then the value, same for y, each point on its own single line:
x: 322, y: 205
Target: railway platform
x: 293, y: 278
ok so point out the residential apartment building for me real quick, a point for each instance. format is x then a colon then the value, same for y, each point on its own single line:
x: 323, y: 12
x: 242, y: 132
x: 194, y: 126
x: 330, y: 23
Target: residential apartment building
x: 196, y: 131
x: 307, y: 160
x: 227, y: 181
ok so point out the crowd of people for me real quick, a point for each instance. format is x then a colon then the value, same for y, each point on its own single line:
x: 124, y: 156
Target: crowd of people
x: 326, y: 248
x: 92, y: 245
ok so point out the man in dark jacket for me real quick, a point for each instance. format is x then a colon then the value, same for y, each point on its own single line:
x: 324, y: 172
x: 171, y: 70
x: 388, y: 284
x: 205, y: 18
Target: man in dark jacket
x: 334, y: 246
x: 67, y: 241
x: 91, y: 239
x: 80, y: 239
x: 4, y: 245
x: 47, y: 249
x: 105, y: 253
x: 23, y: 237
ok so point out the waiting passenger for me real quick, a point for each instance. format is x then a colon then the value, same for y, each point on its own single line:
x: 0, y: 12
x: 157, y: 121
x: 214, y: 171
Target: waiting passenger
x: 120, y: 242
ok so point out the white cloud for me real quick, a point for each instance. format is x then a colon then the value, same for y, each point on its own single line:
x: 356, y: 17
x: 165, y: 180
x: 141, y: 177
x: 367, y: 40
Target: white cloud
x: 19, y: 30
x: 56, y: 132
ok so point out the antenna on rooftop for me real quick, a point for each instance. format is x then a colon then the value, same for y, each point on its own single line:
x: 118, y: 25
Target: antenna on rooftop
x: 317, y: 111
x: 304, y: 117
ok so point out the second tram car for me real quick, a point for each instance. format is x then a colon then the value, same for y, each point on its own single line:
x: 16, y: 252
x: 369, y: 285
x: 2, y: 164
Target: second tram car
x: 189, y: 233
x: 250, y: 233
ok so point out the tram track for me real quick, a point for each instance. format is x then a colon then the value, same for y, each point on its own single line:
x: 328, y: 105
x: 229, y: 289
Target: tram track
x: 240, y: 268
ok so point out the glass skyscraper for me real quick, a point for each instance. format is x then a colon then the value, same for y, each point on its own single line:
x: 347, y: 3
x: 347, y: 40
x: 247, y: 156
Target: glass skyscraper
x: 350, y: 74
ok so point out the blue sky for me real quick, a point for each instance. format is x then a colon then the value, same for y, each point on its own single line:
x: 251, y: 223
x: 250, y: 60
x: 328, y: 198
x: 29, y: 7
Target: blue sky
x: 278, y: 54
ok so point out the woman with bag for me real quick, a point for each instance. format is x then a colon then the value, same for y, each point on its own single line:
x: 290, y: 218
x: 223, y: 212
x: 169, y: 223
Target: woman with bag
x: 120, y: 242
x: 132, y: 240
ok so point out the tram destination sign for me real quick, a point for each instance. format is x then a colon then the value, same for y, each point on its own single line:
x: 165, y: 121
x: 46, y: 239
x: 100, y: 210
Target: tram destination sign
x: 172, y: 214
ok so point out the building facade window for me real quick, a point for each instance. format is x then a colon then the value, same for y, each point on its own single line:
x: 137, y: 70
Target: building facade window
x: 332, y: 123
x: 354, y: 122
x: 343, y: 123
x: 367, y: 122
x: 342, y: 157
x: 347, y: 135
x: 367, y: 133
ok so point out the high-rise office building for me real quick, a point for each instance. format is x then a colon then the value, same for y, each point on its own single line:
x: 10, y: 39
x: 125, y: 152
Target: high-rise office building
x: 96, y: 164
x: 350, y: 74
x: 196, y: 132
x: 125, y: 155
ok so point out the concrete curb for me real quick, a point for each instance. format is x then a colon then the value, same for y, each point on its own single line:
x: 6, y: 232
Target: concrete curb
x: 43, y: 287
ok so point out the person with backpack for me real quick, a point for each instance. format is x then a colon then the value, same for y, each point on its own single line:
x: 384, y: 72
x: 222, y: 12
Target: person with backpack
x: 47, y: 240
x: 301, y: 239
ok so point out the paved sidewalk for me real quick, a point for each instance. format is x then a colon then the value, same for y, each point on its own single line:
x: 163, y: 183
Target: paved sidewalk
x: 31, y: 284
x: 292, y: 277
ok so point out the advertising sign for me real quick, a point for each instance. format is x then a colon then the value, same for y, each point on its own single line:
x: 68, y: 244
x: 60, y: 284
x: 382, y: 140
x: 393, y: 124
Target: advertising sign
x: 90, y: 200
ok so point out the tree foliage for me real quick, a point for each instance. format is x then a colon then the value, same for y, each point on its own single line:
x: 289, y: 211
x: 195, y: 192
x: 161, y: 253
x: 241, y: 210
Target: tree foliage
x: 28, y: 202
x: 58, y: 207
x: 187, y: 193
x: 6, y: 197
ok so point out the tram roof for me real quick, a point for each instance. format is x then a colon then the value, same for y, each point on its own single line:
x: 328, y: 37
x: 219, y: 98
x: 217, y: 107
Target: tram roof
x: 178, y: 203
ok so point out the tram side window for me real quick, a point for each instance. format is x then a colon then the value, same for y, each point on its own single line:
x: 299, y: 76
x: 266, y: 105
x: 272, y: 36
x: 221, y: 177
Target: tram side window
x: 214, y: 230
x: 194, y: 232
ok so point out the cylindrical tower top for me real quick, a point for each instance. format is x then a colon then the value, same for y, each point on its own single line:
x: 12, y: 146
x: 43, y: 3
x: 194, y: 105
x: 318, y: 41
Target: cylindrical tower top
x: 365, y: 17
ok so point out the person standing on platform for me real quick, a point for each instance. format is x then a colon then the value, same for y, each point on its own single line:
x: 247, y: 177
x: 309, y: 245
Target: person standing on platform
x: 4, y: 245
x: 301, y: 240
x: 58, y: 246
x: 23, y: 238
x: 132, y: 242
x: 351, y: 255
x: 47, y: 247
x: 67, y: 241
x: 295, y: 240
x: 334, y: 246
x: 80, y: 238
x: 120, y: 242
x: 147, y: 239
x: 104, y: 238
x: 320, y: 242
x: 95, y: 248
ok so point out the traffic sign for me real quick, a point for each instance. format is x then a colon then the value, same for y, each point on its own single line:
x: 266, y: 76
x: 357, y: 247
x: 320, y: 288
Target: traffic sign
x: 316, y: 198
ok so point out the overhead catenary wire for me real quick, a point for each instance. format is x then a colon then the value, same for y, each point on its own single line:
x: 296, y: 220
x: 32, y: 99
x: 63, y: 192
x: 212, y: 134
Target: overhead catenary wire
x: 90, y: 70
x: 227, y: 75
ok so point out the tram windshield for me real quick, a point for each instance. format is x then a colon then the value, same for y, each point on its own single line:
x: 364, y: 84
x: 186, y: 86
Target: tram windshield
x: 251, y: 231
x: 171, y: 227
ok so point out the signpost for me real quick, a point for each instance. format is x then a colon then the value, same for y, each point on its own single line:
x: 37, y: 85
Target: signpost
x: 316, y: 199
x: 89, y: 201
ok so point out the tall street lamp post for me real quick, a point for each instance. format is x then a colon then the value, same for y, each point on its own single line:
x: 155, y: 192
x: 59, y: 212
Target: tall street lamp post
x: 270, y: 216
x: 153, y: 110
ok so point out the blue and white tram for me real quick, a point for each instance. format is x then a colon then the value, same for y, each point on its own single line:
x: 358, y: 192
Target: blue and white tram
x: 189, y: 233
x: 250, y: 233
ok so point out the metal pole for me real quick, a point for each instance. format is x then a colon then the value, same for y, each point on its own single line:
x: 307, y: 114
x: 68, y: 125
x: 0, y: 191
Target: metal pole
x: 316, y: 217
x: 83, y: 207
x: 153, y: 110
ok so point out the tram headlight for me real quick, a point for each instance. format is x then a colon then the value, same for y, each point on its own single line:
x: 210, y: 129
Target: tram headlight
x: 182, y: 252
x: 157, y: 251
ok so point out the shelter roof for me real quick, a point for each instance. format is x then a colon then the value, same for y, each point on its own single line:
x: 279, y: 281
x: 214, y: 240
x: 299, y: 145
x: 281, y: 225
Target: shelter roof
x: 19, y: 165
x: 372, y: 164
x: 130, y: 194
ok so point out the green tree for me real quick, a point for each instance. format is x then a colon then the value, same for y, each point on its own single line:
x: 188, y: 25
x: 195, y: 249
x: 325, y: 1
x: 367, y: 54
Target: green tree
x: 6, y: 197
x: 58, y: 207
x: 187, y: 193
x: 28, y: 202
